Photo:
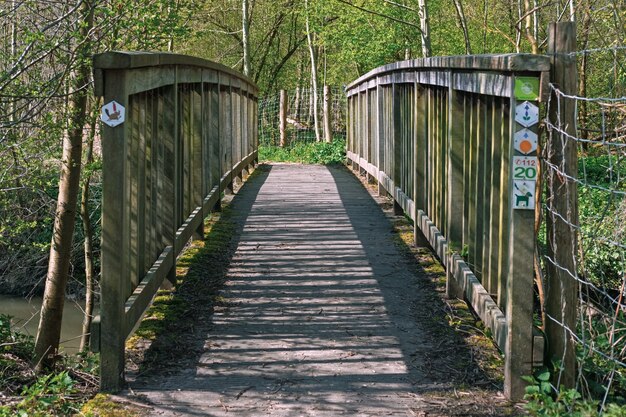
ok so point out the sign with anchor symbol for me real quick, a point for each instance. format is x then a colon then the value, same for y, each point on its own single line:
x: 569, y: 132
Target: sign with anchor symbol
x: 527, y: 114
x: 113, y: 114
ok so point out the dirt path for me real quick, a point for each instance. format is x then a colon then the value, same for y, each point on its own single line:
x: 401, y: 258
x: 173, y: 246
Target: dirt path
x: 320, y: 316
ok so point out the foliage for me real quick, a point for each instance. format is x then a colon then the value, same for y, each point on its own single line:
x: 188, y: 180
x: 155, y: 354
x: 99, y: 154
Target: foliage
x: 546, y: 401
x: 600, y: 211
x: 306, y: 153
x: 13, y: 342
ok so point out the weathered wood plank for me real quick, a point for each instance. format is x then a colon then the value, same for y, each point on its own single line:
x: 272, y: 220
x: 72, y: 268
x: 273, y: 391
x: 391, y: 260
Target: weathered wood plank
x: 115, y: 229
x: 504, y: 62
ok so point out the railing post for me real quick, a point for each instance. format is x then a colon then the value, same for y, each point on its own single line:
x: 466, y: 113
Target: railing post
x: 562, y: 218
x: 521, y: 250
x: 115, y: 243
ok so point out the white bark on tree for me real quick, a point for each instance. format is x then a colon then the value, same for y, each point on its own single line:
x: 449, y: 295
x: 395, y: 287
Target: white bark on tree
x: 245, y: 38
x: 313, y: 56
x: 425, y: 28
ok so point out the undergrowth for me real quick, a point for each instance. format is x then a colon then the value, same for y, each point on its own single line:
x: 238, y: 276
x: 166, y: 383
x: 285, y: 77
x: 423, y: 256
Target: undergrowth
x: 306, y: 152
x: 24, y: 393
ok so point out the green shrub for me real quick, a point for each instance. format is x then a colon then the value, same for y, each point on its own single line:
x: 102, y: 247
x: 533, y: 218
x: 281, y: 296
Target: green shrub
x: 306, y: 152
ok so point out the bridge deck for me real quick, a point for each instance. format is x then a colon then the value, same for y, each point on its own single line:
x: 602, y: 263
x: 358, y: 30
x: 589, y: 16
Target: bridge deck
x: 319, y: 319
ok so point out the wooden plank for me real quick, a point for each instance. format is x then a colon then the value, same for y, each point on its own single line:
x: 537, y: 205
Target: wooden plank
x: 133, y: 193
x: 505, y: 211
x: 142, y: 296
x: 113, y: 267
x: 455, y: 197
x: 489, y: 84
x: 495, y: 274
x: 197, y: 155
x: 187, y: 229
x: 502, y: 62
x: 133, y: 60
x: 486, y: 202
x: 145, y: 79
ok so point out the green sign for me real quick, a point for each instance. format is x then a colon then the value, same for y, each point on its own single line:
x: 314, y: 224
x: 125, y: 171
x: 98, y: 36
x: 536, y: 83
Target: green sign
x: 526, y: 88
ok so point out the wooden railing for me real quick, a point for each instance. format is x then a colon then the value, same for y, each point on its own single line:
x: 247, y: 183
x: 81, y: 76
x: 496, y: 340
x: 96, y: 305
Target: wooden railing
x: 189, y: 130
x: 437, y: 134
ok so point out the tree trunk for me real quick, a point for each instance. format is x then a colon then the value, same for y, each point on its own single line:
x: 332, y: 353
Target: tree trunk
x: 425, y: 28
x: 245, y: 37
x: 528, y: 27
x: 282, y: 118
x: 463, y: 23
x: 328, y: 104
x: 309, y: 35
x: 88, y: 242
x: 49, y: 331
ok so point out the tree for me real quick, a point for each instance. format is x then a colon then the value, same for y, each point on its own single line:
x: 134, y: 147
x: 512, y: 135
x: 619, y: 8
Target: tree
x: 245, y: 38
x: 49, y: 331
x: 313, y: 56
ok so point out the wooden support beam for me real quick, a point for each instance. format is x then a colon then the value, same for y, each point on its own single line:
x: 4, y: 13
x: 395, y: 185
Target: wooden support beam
x: 562, y: 218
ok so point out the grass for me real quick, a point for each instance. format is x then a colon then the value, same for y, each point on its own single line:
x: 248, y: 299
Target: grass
x: 306, y: 153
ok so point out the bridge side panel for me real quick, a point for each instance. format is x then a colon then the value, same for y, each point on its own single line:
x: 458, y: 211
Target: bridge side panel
x: 441, y: 145
x: 163, y: 170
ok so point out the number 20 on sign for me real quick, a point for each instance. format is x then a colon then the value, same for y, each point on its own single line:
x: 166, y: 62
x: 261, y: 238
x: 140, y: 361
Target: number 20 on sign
x: 525, y: 167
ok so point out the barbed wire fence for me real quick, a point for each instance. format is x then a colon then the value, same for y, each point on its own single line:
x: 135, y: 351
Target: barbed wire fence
x: 592, y: 217
x: 300, y: 123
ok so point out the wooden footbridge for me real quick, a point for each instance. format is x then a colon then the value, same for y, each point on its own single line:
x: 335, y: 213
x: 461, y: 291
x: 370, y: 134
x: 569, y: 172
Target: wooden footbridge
x: 453, y: 140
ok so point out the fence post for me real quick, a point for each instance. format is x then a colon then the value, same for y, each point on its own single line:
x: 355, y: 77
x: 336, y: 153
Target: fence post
x: 561, y: 286
x: 282, y: 118
x: 328, y: 131
x: 114, y: 239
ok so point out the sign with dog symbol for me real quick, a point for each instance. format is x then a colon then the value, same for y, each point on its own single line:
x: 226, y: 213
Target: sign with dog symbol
x: 527, y: 114
x: 525, y: 141
x: 113, y: 114
x: 524, y: 194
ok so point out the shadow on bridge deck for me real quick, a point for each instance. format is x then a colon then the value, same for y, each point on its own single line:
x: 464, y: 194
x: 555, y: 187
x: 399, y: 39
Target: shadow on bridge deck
x: 322, y: 313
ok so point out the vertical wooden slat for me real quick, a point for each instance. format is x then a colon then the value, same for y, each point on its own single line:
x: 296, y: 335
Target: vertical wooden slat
x: 494, y: 204
x: 456, y: 197
x: 197, y: 152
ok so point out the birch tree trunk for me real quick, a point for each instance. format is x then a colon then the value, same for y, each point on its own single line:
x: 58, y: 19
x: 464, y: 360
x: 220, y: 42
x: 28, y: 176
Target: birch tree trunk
x: 313, y: 55
x: 425, y: 28
x: 463, y: 22
x: 328, y: 104
x: 49, y: 331
x: 245, y: 38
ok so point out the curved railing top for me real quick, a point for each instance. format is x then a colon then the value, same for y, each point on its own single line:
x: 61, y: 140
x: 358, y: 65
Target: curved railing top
x: 133, y: 60
x: 501, y: 62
